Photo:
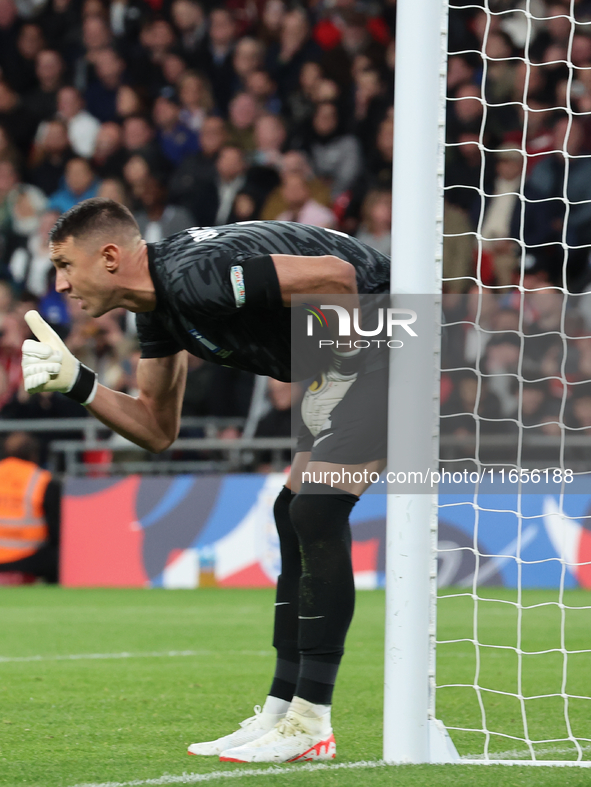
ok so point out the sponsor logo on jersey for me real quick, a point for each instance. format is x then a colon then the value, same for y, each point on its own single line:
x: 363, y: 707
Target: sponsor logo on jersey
x: 199, y: 234
x: 210, y: 345
x: 237, y: 280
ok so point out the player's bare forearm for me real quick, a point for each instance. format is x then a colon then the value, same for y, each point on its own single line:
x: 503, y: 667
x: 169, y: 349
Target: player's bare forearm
x: 152, y: 419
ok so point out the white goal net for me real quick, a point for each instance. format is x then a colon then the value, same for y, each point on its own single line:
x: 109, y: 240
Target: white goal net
x: 513, y: 678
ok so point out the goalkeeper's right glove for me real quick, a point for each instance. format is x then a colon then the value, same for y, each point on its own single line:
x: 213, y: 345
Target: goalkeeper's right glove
x: 327, y: 390
x: 48, y: 365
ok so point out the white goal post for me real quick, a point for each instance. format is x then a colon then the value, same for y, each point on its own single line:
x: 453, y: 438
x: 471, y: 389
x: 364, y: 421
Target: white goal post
x: 412, y: 733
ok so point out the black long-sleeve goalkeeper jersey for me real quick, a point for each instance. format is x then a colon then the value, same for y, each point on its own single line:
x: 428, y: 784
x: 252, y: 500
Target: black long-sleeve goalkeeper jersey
x: 202, y: 305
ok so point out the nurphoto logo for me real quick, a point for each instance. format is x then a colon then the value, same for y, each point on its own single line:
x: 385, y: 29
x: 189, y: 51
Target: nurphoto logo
x: 387, y: 319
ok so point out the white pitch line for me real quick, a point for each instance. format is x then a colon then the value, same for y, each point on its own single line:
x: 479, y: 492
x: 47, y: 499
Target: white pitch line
x: 531, y: 763
x: 518, y: 754
x: 125, y: 655
x: 274, y: 770
x: 195, y: 778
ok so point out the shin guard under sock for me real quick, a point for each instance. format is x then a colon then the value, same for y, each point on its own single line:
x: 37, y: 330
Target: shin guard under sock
x: 285, y: 636
x: 320, y: 517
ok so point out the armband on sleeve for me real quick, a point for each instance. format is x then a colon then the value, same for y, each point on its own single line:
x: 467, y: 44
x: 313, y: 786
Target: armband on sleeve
x: 255, y: 283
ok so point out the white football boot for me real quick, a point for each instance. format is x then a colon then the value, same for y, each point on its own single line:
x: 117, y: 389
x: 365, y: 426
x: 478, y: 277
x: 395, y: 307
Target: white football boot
x: 297, y: 738
x: 250, y: 729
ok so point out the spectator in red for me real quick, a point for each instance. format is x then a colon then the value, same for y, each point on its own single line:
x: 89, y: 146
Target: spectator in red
x: 328, y: 32
x: 355, y: 39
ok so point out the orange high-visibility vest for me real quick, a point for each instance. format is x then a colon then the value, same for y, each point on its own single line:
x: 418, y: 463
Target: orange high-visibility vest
x: 22, y: 522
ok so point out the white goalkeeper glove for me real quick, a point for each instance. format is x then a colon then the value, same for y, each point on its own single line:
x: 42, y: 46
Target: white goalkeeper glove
x: 48, y: 365
x: 327, y: 390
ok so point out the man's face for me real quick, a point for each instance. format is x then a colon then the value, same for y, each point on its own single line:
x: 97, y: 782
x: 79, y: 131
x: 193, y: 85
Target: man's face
x: 213, y: 135
x: 230, y: 164
x: 69, y: 102
x: 136, y: 133
x: 81, y: 274
x: 78, y: 176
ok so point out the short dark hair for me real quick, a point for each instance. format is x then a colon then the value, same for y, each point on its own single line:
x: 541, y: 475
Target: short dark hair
x: 96, y: 215
x: 21, y: 445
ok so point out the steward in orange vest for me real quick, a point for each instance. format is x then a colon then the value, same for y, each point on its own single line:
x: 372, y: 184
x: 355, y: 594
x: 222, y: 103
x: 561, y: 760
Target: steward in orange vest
x: 25, y: 539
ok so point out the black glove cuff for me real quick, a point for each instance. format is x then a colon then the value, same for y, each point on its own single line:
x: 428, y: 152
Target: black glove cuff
x: 346, y: 363
x: 83, y: 386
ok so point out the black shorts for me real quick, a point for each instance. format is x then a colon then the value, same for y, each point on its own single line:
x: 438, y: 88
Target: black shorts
x: 358, y: 430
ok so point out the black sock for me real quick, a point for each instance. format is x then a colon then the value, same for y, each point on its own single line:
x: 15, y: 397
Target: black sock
x: 320, y: 516
x: 285, y: 635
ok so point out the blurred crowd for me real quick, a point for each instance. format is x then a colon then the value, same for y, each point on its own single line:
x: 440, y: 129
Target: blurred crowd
x: 520, y: 363
x: 195, y: 112
x: 191, y: 113
x: 518, y: 212
x: 518, y: 165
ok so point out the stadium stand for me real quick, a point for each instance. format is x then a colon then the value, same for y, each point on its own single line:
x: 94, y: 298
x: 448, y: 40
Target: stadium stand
x: 193, y: 113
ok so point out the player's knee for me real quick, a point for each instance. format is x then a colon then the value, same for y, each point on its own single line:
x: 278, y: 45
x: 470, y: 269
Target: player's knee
x: 319, y: 513
x: 281, y: 510
x: 303, y: 516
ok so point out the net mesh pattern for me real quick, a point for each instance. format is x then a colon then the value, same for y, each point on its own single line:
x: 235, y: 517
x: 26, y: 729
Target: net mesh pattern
x: 513, y: 662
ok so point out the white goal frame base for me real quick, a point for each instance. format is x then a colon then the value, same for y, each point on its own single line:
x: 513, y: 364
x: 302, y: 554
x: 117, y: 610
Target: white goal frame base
x: 441, y: 747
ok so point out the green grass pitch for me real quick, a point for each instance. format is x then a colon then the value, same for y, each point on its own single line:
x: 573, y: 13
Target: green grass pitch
x: 66, y: 722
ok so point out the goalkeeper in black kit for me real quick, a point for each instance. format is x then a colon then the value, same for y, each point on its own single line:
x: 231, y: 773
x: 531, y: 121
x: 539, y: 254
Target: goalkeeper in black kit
x: 223, y: 294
